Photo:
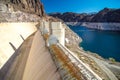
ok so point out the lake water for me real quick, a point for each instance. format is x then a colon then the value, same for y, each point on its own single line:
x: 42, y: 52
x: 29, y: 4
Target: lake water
x: 104, y: 43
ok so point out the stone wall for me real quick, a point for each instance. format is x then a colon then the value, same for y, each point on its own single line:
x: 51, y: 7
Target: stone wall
x: 3, y: 8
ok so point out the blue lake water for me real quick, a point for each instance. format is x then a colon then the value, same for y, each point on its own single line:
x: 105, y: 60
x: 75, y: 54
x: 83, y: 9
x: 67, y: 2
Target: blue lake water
x: 104, y: 43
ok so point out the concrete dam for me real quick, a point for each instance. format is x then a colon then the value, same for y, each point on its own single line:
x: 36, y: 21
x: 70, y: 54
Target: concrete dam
x: 29, y: 51
x: 34, y: 47
x: 29, y: 47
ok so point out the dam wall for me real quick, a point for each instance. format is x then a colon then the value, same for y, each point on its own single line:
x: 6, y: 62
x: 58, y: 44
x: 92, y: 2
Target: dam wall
x: 11, y: 37
x: 40, y: 65
x: 31, y: 61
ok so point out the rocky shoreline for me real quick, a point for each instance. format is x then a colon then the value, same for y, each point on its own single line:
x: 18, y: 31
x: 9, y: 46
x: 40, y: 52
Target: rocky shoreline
x: 92, y: 59
x: 97, y: 26
x: 80, y: 39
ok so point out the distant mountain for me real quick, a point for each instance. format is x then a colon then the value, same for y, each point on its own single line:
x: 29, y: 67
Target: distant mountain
x: 105, y: 15
x: 69, y: 16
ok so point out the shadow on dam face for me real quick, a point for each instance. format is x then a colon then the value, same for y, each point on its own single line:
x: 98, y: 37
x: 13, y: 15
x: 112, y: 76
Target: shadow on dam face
x: 4, y: 70
x: 22, y: 37
x: 14, y: 35
x: 14, y: 48
x: 12, y: 69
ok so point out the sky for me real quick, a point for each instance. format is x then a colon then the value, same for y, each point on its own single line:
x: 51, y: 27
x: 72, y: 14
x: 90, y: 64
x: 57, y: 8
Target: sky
x: 78, y: 6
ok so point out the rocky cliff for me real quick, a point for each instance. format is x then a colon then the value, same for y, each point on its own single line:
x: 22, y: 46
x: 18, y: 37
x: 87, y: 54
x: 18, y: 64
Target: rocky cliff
x: 69, y: 16
x: 105, y: 15
x: 30, y: 6
x: 21, y: 10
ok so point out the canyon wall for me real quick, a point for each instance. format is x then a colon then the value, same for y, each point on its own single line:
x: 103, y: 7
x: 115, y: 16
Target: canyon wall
x: 96, y: 25
x: 104, y: 15
x: 103, y: 26
x: 29, y: 6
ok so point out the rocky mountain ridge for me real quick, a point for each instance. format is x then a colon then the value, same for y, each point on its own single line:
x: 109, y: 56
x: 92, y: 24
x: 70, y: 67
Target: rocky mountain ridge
x: 105, y: 15
x: 29, y: 6
x: 21, y: 10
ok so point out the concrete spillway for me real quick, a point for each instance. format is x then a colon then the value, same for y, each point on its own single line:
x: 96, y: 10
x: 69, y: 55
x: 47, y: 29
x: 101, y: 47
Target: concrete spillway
x: 11, y: 37
x: 31, y: 60
x: 39, y: 64
x: 14, y: 67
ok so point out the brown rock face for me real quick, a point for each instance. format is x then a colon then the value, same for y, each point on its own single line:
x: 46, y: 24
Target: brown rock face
x: 29, y: 6
x: 105, y: 15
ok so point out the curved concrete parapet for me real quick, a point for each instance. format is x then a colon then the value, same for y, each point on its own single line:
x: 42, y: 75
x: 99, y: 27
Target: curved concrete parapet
x: 11, y: 37
x: 40, y: 65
